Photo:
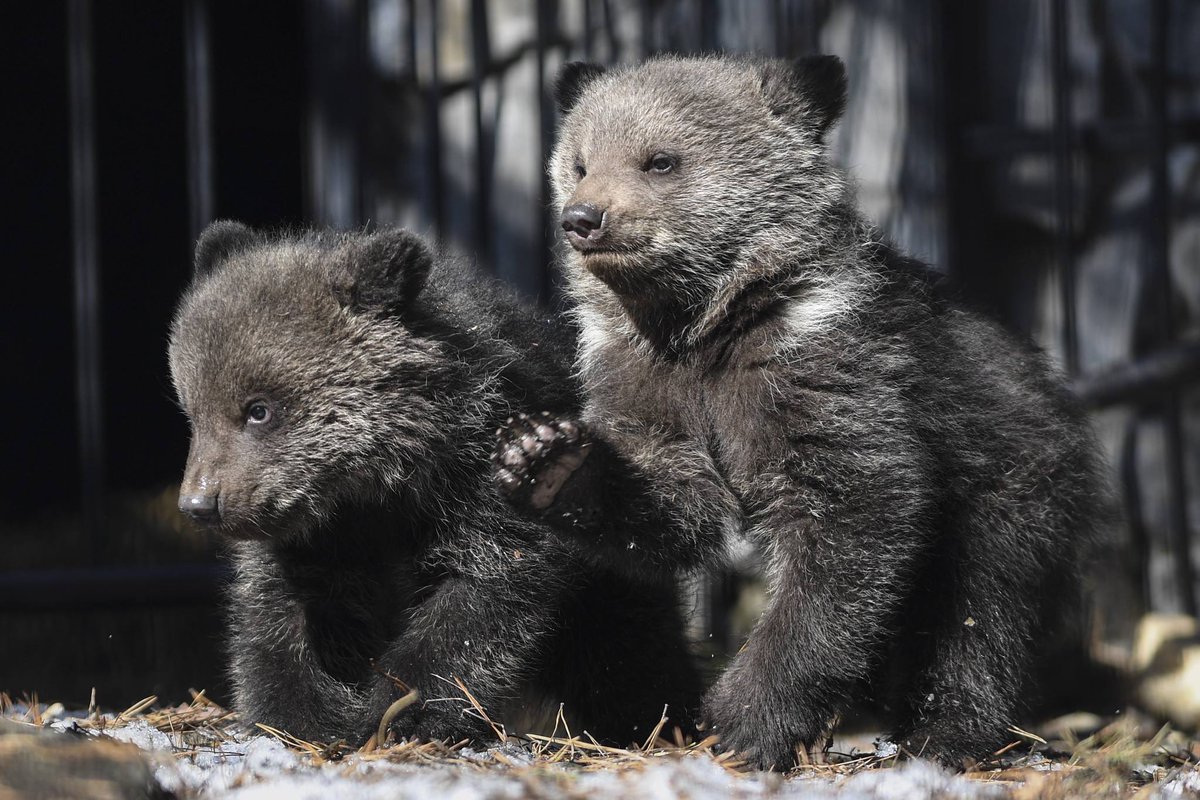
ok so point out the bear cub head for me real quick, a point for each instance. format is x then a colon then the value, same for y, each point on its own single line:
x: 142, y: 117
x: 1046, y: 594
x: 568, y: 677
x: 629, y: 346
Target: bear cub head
x: 303, y: 383
x: 674, y: 175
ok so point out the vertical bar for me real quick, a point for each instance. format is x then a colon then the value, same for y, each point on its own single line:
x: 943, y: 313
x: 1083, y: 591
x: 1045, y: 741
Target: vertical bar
x: 649, y: 46
x: 433, y: 122
x: 588, y: 31
x: 708, y: 25
x: 1064, y: 182
x: 363, y: 75
x: 198, y: 77
x: 1177, y: 504
x: 1159, y: 235
x: 410, y: 39
x: 610, y: 31
x: 547, y: 25
x: 480, y: 63
x: 86, y: 269
x: 961, y: 27
x: 813, y: 16
x: 338, y: 77
x: 779, y: 24
x: 1139, y: 540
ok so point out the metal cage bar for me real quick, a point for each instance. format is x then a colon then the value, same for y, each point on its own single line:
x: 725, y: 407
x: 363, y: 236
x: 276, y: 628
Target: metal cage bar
x: 1064, y: 181
x: 338, y: 78
x: 86, y: 269
x: 589, y: 30
x: 198, y: 90
x: 547, y: 31
x: 706, y: 13
x: 481, y: 59
x: 1159, y: 234
x: 433, y: 121
x: 610, y: 31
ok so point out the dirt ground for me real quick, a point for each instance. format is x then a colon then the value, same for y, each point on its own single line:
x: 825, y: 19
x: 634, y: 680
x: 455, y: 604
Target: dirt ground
x: 201, y: 750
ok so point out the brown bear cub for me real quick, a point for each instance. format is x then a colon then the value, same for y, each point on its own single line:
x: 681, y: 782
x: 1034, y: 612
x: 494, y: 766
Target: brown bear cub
x: 759, y: 362
x: 343, y: 392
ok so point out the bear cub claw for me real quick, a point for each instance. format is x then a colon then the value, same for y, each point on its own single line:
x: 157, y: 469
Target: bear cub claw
x: 535, y: 455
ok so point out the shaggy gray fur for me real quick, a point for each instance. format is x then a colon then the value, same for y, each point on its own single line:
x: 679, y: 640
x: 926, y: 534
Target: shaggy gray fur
x: 343, y: 392
x: 758, y: 362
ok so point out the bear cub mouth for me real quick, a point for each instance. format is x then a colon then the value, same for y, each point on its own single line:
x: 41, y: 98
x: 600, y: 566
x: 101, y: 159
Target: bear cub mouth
x: 593, y: 248
x: 587, y: 244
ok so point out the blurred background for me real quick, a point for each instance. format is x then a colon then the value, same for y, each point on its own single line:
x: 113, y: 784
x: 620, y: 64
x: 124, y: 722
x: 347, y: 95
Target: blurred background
x: 1045, y: 153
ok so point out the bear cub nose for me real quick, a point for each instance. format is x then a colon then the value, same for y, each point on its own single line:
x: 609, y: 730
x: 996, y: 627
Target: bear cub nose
x: 583, y: 220
x: 200, y: 507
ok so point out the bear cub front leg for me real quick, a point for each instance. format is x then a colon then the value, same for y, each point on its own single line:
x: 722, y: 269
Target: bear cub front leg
x: 535, y: 457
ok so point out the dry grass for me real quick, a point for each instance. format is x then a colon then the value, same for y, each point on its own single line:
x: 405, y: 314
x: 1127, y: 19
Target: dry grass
x: 1124, y: 758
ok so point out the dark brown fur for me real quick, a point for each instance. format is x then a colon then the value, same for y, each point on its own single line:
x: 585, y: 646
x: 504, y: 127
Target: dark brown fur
x: 343, y: 391
x: 758, y: 362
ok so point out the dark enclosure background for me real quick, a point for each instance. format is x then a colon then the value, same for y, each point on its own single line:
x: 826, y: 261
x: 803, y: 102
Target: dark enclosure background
x: 1046, y: 153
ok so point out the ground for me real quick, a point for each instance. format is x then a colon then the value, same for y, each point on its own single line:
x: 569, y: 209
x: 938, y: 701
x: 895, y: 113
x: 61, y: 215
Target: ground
x: 201, y: 750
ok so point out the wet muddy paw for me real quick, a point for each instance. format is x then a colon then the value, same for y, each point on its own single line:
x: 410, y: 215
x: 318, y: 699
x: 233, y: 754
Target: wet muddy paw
x: 535, y: 455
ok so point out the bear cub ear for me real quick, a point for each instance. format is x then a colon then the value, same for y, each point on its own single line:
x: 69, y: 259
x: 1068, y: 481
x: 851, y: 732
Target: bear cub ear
x: 573, y: 77
x: 810, y: 89
x: 387, y: 271
x: 219, y: 241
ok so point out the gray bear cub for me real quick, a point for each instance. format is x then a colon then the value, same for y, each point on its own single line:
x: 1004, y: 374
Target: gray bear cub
x: 758, y: 361
x: 343, y: 392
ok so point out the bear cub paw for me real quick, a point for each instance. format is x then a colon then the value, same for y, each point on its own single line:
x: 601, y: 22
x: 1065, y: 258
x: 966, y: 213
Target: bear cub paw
x: 765, y: 735
x: 535, y: 456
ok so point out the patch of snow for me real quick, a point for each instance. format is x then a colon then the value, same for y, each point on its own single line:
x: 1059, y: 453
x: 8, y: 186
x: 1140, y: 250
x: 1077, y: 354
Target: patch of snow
x: 142, y: 734
x: 257, y: 767
x: 695, y: 778
x: 914, y: 779
x: 1183, y: 783
x: 515, y: 753
x: 217, y: 770
x: 886, y: 749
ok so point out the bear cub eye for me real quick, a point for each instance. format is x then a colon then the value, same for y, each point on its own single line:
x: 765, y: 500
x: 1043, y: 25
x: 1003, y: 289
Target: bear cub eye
x: 661, y: 164
x: 580, y: 172
x: 259, y: 412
